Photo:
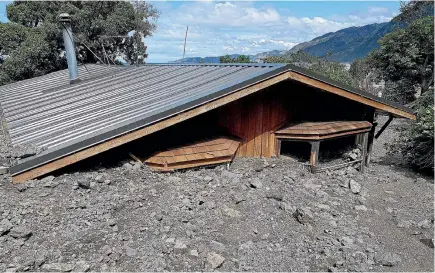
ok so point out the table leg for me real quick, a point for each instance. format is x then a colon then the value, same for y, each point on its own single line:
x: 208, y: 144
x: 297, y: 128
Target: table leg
x: 364, y: 151
x: 314, y: 156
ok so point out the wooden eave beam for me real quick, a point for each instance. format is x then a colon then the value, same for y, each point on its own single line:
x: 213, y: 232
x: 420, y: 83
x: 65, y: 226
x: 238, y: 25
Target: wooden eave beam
x: 346, y: 94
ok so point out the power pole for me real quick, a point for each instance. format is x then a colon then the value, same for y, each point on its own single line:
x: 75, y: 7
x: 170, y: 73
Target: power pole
x: 185, y: 39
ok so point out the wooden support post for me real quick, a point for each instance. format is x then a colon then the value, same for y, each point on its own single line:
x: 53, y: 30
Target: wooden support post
x: 314, y: 157
x: 364, y: 151
x: 358, y: 140
x: 278, y: 152
x: 390, y: 119
x: 370, y: 144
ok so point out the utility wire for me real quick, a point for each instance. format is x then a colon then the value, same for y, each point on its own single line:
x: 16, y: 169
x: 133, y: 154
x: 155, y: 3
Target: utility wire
x: 91, y: 51
x: 104, y: 52
x: 185, y: 39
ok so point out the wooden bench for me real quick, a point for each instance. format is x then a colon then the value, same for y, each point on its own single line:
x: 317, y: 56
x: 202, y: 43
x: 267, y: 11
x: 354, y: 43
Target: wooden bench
x: 201, y: 153
x: 315, y: 132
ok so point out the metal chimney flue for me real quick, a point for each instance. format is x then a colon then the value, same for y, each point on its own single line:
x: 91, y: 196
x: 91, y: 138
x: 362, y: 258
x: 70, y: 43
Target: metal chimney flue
x: 68, y: 40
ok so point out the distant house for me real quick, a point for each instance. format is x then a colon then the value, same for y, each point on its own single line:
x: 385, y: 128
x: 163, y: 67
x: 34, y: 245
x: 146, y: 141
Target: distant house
x: 259, y: 104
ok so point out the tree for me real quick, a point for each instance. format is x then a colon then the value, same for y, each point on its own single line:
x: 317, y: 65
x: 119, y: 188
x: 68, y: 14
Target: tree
x: 333, y: 70
x: 102, y: 27
x: 413, y: 10
x: 364, y: 77
x: 406, y: 60
x: 239, y: 59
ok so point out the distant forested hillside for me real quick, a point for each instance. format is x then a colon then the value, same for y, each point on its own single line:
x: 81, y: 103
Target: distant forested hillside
x: 347, y: 44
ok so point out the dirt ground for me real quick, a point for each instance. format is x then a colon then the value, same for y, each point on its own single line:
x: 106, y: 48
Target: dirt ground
x: 261, y: 215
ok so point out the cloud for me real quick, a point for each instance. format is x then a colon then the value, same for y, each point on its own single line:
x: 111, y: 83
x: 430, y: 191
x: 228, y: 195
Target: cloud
x: 378, y: 10
x: 316, y: 25
x: 226, y: 14
x: 218, y: 28
x: 279, y: 43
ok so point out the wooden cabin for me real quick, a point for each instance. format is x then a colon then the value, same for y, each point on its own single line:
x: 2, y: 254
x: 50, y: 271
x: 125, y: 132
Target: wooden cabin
x: 260, y: 105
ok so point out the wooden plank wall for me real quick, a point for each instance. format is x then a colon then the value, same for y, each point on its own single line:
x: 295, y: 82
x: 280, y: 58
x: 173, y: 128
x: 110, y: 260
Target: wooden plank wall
x: 254, y: 119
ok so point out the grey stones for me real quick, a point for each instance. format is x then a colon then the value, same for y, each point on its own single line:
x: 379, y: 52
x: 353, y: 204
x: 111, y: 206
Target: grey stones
x: 47, y: 179
x: 286, y: 206
x: 130, y: 252
x: 3, y: 170
x: 323, y: 207
x: 174, y: 179
x: 231, y: 212
x: 246, y: 245
x: 405, y: 223
x: 5, y: 226
x: 84, y: 183
x: 304, y: 215
x: 428, y: 242
x: 48, y: 182
x: 354, y: 186
x: 360, y: 208
x: 208, y: 178
x: 344, y: 183
x: 127, y: 166
x: 194, y: 253
x: 57, y: 267
x: 99, y: 178
x: 353, y: 155
x: 25, y: 150
x: 215, y: 260
x: 180, y: 246
x: 312, y: 186
x: 82, y: 266
x: 345, y: 240
x: 107, y: 250
x: 256, y: 183
x: 111, y: 222
x: 170, y: 240
x: 137, y: 166
x: 387, y: 259
x: 424, y: 224
x: 20, y: 232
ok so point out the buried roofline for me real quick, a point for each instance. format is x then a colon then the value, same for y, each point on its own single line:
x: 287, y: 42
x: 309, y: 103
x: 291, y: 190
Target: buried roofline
x: 47, y: 162
x: 34, y: 166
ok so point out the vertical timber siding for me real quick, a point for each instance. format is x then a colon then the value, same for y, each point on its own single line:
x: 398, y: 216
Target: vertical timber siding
x: 254, y: 119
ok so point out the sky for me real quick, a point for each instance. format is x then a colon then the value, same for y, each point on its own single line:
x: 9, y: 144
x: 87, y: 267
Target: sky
x: 250, y: 27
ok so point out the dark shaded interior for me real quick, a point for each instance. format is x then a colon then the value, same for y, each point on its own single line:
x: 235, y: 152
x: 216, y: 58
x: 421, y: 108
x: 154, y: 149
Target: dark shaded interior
x: 329, y: 149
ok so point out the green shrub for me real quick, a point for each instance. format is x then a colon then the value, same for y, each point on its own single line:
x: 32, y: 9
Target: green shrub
x: 417, y: 143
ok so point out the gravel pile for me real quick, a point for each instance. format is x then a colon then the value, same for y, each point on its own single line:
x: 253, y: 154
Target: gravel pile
x: 261, y: 215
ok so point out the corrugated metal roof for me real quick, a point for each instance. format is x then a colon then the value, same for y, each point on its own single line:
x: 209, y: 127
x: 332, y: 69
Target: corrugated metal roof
x: 112, y: 100
x: 49, y: 112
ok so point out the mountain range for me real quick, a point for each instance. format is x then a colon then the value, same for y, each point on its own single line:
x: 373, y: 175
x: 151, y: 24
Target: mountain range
x: 254, y: 58
x: 347, y: 44
x: 343, y: 46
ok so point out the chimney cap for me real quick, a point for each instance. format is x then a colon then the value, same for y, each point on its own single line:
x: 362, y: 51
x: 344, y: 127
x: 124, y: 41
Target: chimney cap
x: 64, y: 18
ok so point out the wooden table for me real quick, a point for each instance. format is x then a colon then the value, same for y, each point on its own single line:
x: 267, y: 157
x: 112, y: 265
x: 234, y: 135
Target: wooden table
x: 315, y: 132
